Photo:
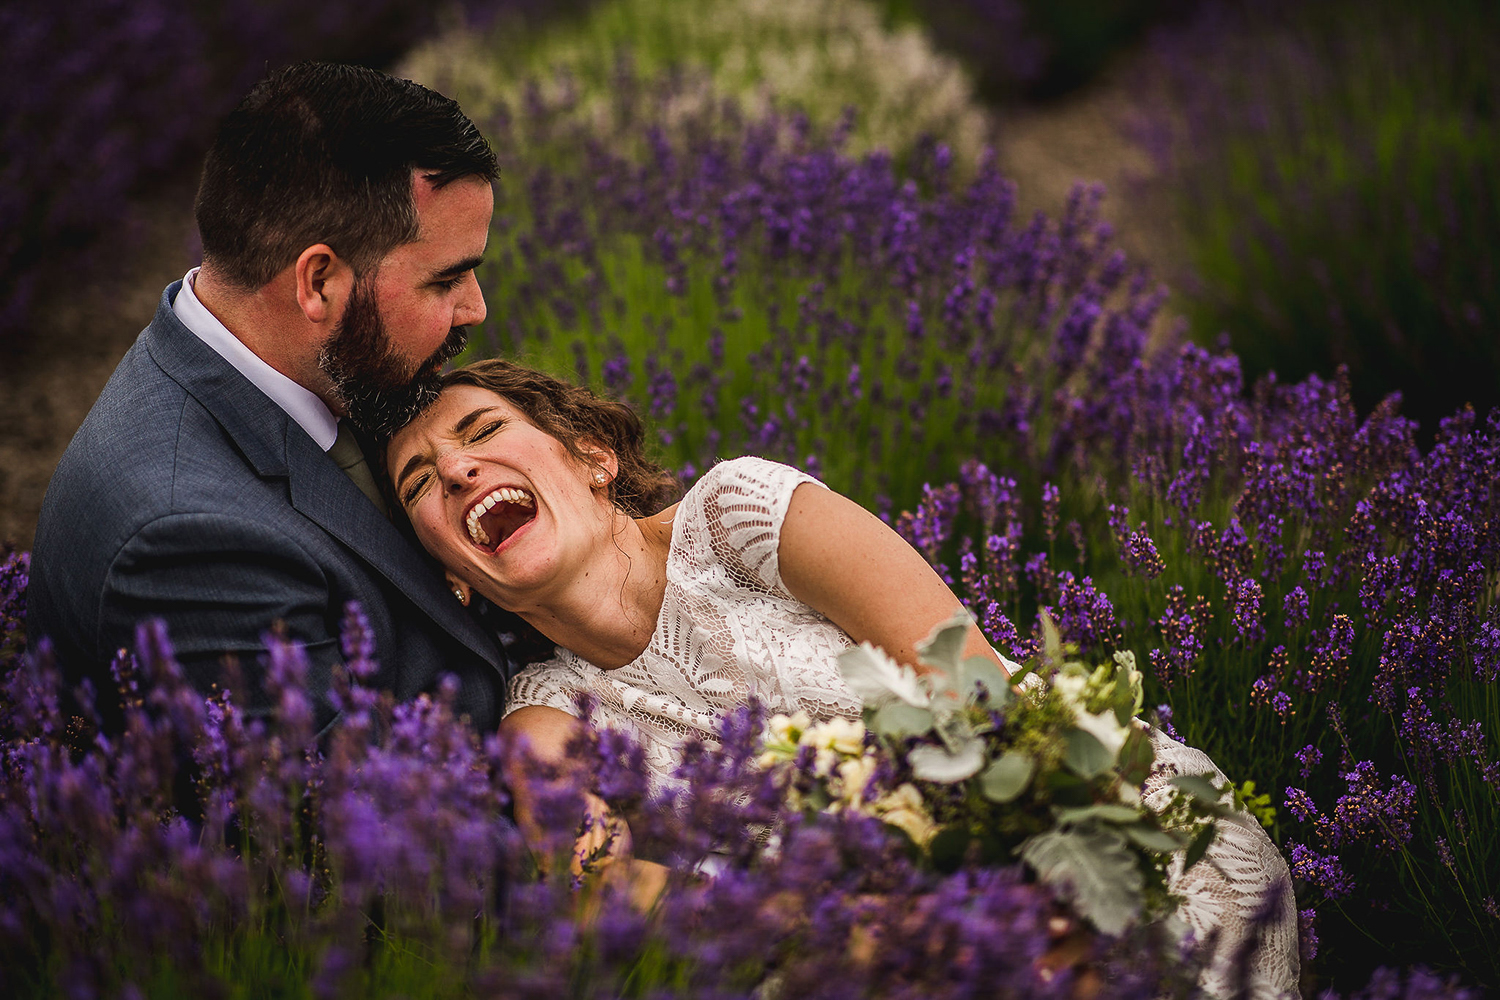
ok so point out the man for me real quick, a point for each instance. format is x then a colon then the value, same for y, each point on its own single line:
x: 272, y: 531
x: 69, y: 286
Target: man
x: 216, y: 483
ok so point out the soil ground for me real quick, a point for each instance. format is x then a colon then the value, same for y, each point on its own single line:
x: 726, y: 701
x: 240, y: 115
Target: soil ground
x: 46, y: 389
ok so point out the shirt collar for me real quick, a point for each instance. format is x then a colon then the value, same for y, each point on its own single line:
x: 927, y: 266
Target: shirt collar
x: 310, y: 412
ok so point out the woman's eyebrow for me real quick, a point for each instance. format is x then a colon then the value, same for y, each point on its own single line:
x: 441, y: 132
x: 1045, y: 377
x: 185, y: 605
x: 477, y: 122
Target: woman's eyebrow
x: 467, y: 420
x: 462, y: 424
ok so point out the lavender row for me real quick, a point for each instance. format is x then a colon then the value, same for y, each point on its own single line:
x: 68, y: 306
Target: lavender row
x: 1310, y: 590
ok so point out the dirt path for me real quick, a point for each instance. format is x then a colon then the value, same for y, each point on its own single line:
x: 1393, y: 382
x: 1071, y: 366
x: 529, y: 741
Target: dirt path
x: 46, y: 389
x: 46, y: 392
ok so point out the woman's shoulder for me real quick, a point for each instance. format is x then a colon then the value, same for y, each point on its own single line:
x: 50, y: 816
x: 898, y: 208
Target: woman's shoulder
x: 732, y: 519
x: 749, y: 477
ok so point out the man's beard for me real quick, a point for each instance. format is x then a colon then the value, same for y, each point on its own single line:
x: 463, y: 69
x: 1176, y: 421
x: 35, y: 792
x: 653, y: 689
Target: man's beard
x: 380, y: 392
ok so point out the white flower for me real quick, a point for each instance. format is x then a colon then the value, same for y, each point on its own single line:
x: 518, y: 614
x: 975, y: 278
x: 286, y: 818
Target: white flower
x: 838, y: 734
x: 783, y: 727
x: 825, y: 762
x: 905, y: 810
x: 1105, y: 728
x: 854, y: 775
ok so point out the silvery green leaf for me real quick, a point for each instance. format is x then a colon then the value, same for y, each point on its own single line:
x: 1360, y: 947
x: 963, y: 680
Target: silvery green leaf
x: 1095, y: 868
x: 945, y: 643
x: 1084, y: 755
x: 982, y: 671
x: 1007, y: 777
x: 1153, y: 839
x: 1200, y: 845
x: 1107, y: 812
x: 875, y: 678
x: 1104, y: 727
x: 1199, y: 786
x: 897, y: 719
x: 1051, y: 641
x: 931, y: 763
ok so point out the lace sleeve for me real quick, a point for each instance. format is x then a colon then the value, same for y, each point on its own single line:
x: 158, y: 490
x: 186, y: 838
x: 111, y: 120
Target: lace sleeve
x: 555, y: 683
x: 1241, y: 892
x: 737, y: 509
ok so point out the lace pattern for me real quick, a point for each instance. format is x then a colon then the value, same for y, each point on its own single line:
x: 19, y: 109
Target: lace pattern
x: 1225, y: 893
x: 729, y: 630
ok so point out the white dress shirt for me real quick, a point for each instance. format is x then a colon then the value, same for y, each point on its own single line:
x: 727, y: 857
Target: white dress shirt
x: 307, y: 409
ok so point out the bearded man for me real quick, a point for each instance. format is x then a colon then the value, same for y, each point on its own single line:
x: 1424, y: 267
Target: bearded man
x: 218, y: 483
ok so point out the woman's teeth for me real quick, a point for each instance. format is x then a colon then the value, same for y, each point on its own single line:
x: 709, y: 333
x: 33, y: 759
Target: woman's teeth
x: 505, y: 494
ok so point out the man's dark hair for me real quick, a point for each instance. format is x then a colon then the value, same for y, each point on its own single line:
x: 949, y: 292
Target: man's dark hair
x: 324, y: 153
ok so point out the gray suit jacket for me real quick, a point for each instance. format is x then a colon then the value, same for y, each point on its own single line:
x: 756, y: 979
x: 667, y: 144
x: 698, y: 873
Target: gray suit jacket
x: 189, y: 495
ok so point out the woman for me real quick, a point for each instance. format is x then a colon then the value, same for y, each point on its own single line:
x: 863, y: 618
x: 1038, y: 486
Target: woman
x: 536, y: 494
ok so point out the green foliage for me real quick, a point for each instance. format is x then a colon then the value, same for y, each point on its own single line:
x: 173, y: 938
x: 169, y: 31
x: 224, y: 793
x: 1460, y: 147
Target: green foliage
x: 1339, y: 186
x: 820, y: 58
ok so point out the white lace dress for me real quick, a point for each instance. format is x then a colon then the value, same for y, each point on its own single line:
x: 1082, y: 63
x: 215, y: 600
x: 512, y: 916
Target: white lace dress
x: 729, y: 630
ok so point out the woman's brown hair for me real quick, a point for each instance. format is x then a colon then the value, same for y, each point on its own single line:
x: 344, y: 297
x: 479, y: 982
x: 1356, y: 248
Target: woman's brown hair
x: 573, y: 414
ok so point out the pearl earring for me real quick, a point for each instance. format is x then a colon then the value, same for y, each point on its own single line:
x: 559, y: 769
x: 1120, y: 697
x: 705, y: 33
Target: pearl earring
x: 600, y: 478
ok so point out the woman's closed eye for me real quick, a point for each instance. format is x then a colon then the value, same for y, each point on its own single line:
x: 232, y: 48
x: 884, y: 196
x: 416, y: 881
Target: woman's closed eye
x: 414, y: 489
x: 485, y: 430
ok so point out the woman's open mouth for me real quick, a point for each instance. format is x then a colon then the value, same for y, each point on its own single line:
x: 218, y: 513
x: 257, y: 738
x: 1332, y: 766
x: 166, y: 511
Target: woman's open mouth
x: 495, y: 517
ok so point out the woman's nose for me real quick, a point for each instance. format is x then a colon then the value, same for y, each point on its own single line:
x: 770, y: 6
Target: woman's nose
x: 458, y: 471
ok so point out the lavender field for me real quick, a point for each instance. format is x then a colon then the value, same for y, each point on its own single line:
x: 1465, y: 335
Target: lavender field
x: 1304, y: 566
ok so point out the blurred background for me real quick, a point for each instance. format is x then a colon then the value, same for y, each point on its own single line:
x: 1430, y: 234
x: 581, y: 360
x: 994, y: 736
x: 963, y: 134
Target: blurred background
x: 1315, y: 181
x: 1314, y: 186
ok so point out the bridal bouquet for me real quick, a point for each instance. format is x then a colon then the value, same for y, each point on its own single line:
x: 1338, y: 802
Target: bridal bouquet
x: 969, y: 764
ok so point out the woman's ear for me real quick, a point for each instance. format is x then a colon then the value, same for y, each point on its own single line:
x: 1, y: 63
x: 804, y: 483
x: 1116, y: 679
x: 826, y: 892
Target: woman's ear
x: 606, y: 464
x: 324, y: 284
x: 460, y: 589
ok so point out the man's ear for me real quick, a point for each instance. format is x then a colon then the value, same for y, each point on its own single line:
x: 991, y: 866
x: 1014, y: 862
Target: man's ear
x: 324, y: 283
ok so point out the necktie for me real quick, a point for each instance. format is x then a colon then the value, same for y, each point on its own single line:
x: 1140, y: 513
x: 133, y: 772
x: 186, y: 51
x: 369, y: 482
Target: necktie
x: 347, y: 455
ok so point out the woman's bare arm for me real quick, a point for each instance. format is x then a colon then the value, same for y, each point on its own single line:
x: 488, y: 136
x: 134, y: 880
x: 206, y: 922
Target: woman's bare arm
x: 849, y: 565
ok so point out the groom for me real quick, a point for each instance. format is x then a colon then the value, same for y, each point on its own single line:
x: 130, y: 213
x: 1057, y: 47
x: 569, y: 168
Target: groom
x: 218, y: 482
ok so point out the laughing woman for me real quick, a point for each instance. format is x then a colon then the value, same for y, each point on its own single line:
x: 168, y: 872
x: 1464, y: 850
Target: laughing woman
x: 536, y: 494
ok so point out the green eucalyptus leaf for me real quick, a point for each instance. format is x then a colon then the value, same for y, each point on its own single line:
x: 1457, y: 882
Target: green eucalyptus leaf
x: 1084, y: 755
x: 931, y: 763
x: 1153, y: 839
x: 1136, y: 756
x: 1199, y: 847
x: 876, y: 679
x: 1095, y: 868
x: 1067, y: 789
x: 1199, y: 786
x: 1007, y: 777
x: 1122, y: 699
x: 1108, y: 812
x: 898, y: 719
x: 948, y: 848
x: 984, y: 672
x: 945, y: 643
x: 1051, y: 641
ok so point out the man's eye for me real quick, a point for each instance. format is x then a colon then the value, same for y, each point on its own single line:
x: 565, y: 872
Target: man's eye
x: 413, y: 491
x: 448, y: 284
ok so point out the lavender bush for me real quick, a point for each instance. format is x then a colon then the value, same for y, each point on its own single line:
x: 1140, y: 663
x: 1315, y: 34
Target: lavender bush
x: 1335, y: 169
x: 754, y: 290
x: 817, y: 58
x: 1308, y: 590
x: 200, y: 853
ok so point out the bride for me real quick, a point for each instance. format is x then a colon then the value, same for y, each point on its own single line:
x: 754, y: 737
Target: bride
x: 537, y: 495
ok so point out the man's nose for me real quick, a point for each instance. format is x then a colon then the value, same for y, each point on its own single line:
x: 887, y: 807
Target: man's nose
x: 470, y: 308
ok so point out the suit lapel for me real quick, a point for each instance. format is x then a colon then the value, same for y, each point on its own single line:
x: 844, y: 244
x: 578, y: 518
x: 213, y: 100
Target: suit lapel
x: 276, y: 446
